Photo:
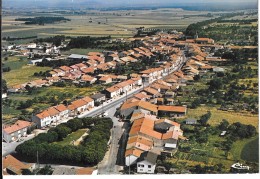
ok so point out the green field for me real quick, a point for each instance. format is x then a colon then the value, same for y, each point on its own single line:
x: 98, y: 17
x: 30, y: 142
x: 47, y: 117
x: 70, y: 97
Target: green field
x: 20, y: 71
x: 253, y: 146
x: 72, y: 137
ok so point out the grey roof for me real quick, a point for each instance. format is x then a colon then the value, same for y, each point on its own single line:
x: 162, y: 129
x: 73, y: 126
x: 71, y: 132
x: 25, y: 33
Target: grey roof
x: 190, y: 120
x: 64, y: 171
x: 78, y: 56
x: 97, y: 96
x: 148, y: 156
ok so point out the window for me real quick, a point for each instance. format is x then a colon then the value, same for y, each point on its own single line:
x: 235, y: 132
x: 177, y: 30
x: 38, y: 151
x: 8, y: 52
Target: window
x: 149, y: 166
x: 141, y: 170
x: 139, y: 165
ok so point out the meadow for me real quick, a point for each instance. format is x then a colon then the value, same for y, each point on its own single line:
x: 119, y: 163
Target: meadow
x: 20, y: 71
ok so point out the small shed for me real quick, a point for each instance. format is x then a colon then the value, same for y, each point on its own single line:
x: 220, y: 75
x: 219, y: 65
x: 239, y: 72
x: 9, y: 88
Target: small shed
x: 191, y: 121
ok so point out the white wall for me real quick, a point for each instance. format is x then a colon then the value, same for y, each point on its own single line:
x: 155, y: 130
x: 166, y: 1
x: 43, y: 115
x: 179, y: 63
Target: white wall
x: 130, y: 159
x: 145, y: 169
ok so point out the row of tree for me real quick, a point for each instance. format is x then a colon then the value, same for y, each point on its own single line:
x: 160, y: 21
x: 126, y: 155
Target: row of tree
x: 42, y: 20
x: 90, y: 152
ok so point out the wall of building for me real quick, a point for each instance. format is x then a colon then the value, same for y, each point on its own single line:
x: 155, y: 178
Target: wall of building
x: 142, y: 167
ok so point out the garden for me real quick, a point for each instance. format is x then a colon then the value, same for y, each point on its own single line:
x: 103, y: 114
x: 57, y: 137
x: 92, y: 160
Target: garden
x: 51, y: 146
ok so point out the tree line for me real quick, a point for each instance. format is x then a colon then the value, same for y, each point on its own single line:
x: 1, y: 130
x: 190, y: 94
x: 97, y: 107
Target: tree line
x: 90, y: 152
x: 42, y: 20
x: 194, y: 28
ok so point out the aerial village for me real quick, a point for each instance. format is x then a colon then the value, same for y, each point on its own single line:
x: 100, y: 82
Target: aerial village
x: 148, y: 103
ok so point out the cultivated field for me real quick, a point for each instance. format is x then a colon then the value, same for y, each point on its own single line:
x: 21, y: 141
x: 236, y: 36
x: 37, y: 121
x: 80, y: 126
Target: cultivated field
x: 218, y: 115
x: 114, y: 23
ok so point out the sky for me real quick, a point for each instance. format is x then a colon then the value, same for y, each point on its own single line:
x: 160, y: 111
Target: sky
x: 101, y: 3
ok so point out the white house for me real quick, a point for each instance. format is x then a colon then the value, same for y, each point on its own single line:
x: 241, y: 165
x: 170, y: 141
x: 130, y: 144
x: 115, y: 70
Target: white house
x: 46, y: 117
x: 131, y: 156
x: 64, y: 111
x: 147, y: 162
x: 15, y: 131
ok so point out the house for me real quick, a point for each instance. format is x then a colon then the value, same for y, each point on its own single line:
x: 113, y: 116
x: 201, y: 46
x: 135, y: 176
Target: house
x: 88, y: 79
x: 172, y: 111
x: 76, y: 56
x: 138, y: 81
x: 98, y: 98
x: 90, y: 102
x: 113, y: 91
x: 89, y: 70
x: 128, y: 108
x: 142, y: 96
x: 105, y: 80
x: 153, y: 92
x: 139, y: 142
x: 12, y: 166
x: 80, y: 106
x: 66, y: 69
x: 146, y: 163
x: 46, y: 117
x: 131, y: 156
x: 13, y: 132
x: 190, y: 121
x: 218, y: 69
x: 64, y: 111
x: 16, y: 88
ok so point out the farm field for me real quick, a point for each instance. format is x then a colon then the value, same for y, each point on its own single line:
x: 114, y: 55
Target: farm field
x: 20, y: 71
x: 218, y: 115
x: 115, y: 23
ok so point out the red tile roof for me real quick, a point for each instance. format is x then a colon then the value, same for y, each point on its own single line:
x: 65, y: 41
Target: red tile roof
x: 180, y: 109
x: 14, y: 165
x: 17, y: 126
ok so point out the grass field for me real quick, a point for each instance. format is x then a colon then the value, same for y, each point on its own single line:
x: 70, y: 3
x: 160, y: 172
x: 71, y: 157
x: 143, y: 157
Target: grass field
x: 72, y: 137
x: 218, y: 115
x: 20, y: 71
x: 246, y: 149
x: 22, y: 75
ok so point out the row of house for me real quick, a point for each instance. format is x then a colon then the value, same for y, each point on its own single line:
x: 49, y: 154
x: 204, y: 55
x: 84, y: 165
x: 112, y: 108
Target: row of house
x: 59, y: 112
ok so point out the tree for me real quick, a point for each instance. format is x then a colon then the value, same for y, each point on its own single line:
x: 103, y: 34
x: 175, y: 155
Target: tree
x: 74, y: 124
x: 46, y: 170
x: 215, y: 84
x: 223, y: 125
x: 204, y: 118
x: 62, y: 130
x: 4, y: 86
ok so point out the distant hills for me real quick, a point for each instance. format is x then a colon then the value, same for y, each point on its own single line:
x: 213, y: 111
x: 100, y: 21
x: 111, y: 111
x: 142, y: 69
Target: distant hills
x: 217, y: 5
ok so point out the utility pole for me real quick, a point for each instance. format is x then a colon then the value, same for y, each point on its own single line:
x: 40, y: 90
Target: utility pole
x: 38, y: 164
x: 126, y: 96
x: 129, y: 165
